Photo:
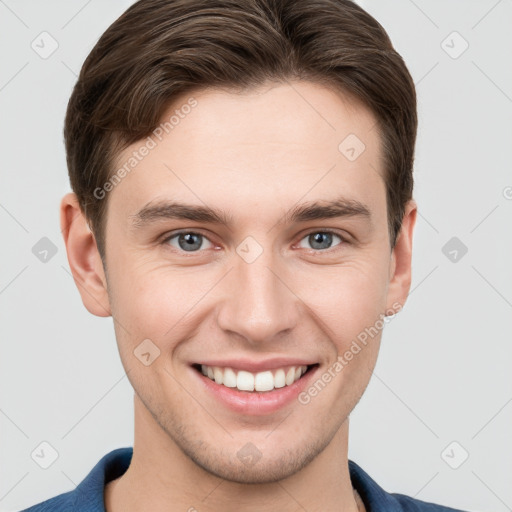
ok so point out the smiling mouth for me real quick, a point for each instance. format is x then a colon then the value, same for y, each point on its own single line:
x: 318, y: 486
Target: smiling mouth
x: 260, y: 382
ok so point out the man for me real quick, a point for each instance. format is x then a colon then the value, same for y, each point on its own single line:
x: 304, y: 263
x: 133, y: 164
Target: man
x: 242, y: 207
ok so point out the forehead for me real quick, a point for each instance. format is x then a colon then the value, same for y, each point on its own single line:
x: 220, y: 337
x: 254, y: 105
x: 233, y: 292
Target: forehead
x: 261, y: 148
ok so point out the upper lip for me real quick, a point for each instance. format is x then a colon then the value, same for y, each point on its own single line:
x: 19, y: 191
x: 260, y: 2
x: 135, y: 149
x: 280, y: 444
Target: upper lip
x: 253, y: 366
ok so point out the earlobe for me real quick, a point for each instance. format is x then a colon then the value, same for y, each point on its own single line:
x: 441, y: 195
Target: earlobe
x: 83, y: 257
x: 400, y: 267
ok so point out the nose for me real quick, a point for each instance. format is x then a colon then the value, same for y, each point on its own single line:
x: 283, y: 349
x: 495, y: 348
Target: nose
x: 259, y: 303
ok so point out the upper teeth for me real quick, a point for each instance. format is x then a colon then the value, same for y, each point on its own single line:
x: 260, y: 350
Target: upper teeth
x: 247, y: 381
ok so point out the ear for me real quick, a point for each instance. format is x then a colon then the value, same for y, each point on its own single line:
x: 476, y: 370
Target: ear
x: 83, y: 257
x: 400, y: 263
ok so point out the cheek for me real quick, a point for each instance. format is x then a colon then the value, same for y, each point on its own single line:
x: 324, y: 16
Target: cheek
x: 145, y: 304
x: 158, y: 302
x: 348, y: 302
x: 151, y: 318
x: 347, y: 299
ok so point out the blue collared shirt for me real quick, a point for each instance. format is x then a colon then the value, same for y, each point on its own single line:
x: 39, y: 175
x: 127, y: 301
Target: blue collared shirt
x: 88, y: 495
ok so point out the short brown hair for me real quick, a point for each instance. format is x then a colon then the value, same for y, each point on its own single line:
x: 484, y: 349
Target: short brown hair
x: 159, y: 49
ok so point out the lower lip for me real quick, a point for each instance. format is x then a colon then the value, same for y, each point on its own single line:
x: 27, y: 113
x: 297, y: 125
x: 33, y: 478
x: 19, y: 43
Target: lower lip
x: 254, y: 402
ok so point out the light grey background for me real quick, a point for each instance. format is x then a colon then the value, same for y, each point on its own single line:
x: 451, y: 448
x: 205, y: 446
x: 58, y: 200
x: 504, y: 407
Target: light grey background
x: 444, y: 369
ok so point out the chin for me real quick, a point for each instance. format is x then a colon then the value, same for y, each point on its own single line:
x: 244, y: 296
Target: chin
x: 248, y: 464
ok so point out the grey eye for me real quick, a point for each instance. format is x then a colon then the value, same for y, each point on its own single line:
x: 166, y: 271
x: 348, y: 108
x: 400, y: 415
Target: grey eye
x: 321, y: 240
x: 188, y: 241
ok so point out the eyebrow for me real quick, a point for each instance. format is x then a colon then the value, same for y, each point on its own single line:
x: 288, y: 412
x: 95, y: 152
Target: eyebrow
x: 317, y: 210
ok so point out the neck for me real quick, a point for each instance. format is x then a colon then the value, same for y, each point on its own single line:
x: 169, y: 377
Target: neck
x: 162, y: 478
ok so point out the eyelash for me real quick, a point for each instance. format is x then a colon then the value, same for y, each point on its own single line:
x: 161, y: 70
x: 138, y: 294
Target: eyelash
x: 343, y: 239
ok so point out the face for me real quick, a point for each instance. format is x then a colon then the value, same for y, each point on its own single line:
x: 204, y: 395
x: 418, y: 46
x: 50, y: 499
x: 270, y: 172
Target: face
x: 285, y: 263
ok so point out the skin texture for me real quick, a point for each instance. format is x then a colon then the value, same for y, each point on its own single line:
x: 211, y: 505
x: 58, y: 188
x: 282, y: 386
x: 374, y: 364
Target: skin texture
x: 255, y: 154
